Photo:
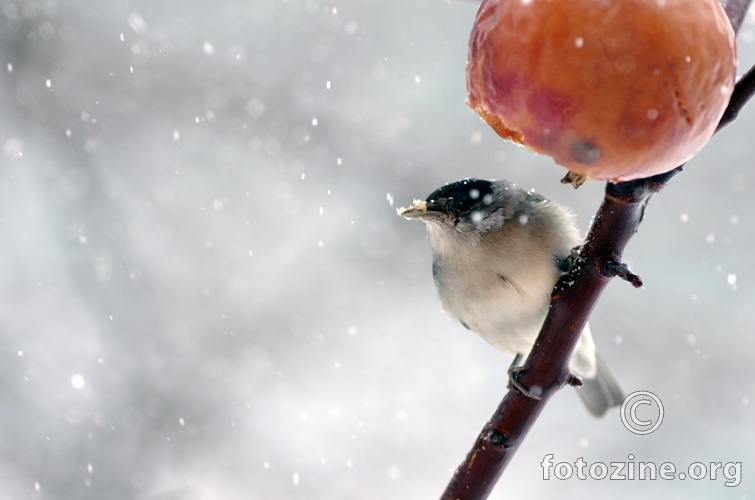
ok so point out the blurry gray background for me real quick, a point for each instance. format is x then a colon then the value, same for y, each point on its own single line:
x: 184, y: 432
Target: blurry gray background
x: 205, y: 291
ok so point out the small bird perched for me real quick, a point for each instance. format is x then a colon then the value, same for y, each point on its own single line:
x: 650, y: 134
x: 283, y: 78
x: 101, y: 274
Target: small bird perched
x: 498, y: 251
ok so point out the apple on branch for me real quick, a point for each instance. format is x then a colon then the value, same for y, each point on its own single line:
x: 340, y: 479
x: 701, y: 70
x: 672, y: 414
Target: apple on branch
x: 610, y: 89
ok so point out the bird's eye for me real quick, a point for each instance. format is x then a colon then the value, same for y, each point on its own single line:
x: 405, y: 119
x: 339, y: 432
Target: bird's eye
x: 462, y: 205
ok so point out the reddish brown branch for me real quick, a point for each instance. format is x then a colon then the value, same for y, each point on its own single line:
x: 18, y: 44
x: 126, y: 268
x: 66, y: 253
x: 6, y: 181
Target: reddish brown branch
x: 572, y: 302
x: 547, y: 366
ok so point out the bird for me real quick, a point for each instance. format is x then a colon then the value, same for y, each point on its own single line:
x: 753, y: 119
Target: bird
x: 498, y: 251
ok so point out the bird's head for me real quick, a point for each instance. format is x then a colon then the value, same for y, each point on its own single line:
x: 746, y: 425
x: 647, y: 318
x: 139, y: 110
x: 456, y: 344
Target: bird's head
x: 469, y: 207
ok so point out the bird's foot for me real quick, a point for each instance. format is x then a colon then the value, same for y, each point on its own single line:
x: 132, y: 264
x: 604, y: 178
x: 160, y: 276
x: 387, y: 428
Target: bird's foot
x: 514, y: 371
x: 566, y: 264
x: 573, y: 256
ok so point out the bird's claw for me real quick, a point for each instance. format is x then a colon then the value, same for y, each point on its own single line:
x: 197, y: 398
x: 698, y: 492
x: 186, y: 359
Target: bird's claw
x: 514, y: 371
x: 573, y: 256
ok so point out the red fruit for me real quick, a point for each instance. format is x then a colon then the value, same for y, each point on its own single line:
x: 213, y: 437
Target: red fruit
x: 610, y: 89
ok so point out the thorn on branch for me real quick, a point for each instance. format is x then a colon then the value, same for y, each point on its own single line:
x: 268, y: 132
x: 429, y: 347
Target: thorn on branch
x: 610, y: 267
x: 574, y: 380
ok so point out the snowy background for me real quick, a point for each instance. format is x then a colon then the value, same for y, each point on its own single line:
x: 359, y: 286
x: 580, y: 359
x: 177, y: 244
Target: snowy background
x: 205, y: 291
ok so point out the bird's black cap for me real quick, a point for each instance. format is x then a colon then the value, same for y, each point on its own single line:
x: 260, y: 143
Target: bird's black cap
x: 461, y: 197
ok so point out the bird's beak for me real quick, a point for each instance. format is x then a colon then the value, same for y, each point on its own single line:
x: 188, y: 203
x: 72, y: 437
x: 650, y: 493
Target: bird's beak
x: 417, y: 211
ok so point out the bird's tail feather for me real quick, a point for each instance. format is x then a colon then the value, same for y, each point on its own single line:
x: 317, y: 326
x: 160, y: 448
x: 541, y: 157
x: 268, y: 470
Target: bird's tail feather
x: 600, y: 392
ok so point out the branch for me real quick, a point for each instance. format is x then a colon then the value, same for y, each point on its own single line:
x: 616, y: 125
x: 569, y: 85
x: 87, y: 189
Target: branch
x: 573, y: 299
x: 743, y: 91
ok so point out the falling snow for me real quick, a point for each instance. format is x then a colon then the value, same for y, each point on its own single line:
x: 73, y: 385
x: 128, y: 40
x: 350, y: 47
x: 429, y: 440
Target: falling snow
x: 77, y: 381
x: 206, y: 291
